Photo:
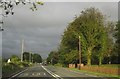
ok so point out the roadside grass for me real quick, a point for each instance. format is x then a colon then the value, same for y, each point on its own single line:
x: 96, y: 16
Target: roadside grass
x: 58, y: 65
x: 9, y: 69
x: 96, y: 73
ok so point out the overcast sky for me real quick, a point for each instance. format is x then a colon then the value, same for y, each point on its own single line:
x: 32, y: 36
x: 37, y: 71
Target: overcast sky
x: 42, y: 29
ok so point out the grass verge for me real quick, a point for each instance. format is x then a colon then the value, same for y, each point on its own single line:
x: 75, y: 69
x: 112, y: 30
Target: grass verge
x: 95, y: 73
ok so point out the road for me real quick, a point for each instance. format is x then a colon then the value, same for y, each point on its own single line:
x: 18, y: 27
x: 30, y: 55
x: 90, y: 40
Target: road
x: 35, y: 72
x: 51, y: 72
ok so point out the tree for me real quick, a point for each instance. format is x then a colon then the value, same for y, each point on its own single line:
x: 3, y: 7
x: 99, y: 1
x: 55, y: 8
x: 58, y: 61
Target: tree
x: 26, y: 56
x: 15, y: 59
x: 117, y: 42
x: 36, y: 58
x: 53, y: 57
x: 29, y: 57
x: 90, y: 27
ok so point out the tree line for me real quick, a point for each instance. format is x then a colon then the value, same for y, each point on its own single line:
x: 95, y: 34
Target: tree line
x: 99, y: 38
x: 27, y: 57
x: 30, y: 57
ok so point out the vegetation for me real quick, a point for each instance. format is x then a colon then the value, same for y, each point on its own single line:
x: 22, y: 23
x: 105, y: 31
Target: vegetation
x: 37, y: 58
x: 7, y: 7
x: 92, y: 32
x: 96, y: 73
x: 34, y: 58
x: 96, y: 37
x: 15, y: 64
x: 26, y: 56
x: 9, y: 69
x: 53, y: 58
x: 117, y: 43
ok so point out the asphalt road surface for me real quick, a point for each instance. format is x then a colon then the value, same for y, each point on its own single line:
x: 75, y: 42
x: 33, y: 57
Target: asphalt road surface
x: 35, y: 72
x: 51, y: 72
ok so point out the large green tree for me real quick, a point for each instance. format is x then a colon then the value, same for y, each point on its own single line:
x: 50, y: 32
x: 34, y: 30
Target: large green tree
x: 90, y: 27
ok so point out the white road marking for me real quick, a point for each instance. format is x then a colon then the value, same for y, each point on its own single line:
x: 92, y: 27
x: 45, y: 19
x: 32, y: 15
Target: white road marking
x: 33, y: 74
x: 51, y: 73
x: 17, y: 74
x: 44, y: 73
x: 38, y: 73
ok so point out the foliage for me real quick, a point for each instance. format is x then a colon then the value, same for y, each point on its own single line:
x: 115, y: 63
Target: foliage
x: 90, y: 27
x: 14, y: 66
x: 29, y: 57
x: 36, y: 58
x: 7, y: 69
x: 117, y: 42
x: 26, y: 56
x: 15, y: 59
x: 8, y: 6
x: 53, y: 57
x: 58, y: 65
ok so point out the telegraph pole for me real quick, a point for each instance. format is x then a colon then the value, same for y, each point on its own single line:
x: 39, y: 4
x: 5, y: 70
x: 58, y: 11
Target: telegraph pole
x: 79, y: 51
x: 22, y: 50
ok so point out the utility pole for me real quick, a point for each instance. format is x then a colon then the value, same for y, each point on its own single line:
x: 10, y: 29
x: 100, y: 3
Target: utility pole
x: 22, y: 50
x: 79, y: 52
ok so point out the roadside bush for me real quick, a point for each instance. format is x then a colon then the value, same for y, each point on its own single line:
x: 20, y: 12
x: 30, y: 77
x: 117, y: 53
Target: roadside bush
x: 24, y: 64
